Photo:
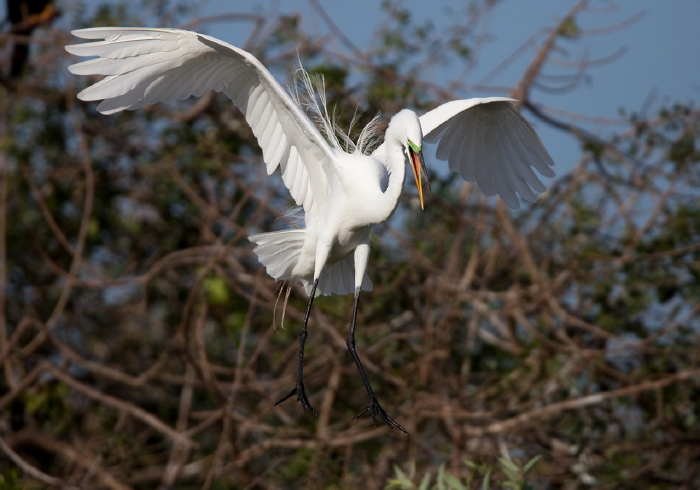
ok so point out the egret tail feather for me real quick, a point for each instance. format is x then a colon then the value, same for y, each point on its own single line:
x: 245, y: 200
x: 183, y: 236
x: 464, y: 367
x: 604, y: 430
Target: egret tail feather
x: 279, y: 252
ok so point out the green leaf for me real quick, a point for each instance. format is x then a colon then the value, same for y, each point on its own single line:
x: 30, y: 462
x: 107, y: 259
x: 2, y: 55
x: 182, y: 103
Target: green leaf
x: 402, y: 480
x: 510, y: 469
x: 486, y: 485
x: 531, y: 464
x: 453, y: 482
x: 216, y: 290
x: 441, y: 477
x: 425, y: 482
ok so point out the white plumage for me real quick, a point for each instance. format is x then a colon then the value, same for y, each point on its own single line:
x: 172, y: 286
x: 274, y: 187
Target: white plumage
x: 342, y: 194
x: 487, y: 141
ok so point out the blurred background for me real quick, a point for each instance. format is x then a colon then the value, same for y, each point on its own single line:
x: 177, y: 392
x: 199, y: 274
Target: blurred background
x: 556, y: 346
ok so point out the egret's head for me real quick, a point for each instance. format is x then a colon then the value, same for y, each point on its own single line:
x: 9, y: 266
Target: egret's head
x: 406, y: 129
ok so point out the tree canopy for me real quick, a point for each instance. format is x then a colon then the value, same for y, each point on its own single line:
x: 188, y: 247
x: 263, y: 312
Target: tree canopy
x: 143, y: 346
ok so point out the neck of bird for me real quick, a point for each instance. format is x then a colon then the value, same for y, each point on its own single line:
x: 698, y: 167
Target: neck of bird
x: 396, y: 166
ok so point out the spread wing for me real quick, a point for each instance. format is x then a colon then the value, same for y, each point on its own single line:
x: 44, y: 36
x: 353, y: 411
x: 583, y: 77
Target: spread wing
x: 489, y: 142
x: 145, y: 66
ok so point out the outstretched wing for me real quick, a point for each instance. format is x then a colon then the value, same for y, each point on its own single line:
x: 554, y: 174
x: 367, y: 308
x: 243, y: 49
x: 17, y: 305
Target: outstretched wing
x: 489, y: 142
x: 145, y: 66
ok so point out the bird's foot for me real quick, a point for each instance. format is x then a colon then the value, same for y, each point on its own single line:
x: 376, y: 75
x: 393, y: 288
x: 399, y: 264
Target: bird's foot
x: 374, y: 409
x: 301, y: 398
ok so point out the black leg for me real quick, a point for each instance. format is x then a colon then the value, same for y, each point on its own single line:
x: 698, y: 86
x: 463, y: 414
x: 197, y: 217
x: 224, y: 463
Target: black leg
x: 299, y: 388
x: 373, y: 406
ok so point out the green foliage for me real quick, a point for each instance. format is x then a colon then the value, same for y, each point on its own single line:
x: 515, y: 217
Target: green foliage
x: 508, y: 474
x: 9, y: 479
x: 569, y: 29
x: 217, y: 290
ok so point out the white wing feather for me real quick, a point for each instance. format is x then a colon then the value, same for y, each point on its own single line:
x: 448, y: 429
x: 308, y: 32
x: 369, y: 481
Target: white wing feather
x: 145, y: 66
x: 489, y: 142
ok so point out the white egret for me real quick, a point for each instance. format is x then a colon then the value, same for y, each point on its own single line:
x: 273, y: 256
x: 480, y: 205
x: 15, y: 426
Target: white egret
x: 342, y: 193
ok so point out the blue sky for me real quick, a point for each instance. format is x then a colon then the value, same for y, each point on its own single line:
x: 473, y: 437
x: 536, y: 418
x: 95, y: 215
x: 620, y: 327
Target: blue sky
x: 660, y: 50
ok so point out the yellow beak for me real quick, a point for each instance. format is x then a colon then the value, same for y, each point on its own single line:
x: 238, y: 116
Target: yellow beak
x: 418, y: 166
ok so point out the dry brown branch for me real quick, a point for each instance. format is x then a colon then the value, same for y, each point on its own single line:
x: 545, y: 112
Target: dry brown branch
x: 30, y: 469
x: 532, y: 416
x: 79, y: 457
x: 522, y: 90
x: 122, y: 406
